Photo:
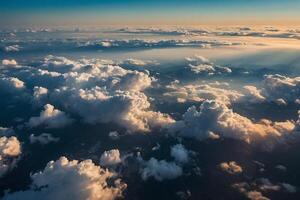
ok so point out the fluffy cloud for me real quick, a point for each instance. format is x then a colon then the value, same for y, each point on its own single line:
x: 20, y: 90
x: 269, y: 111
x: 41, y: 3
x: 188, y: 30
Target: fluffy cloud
x: 201, y: 65
x: 180, y: 153
x: 39, y: 92
x: 12, y: 48
x: 245, y: 188
x: 43, y: 138
x: 63, y: 179
x: 216, y: 117
x: 11, y: 84
x: 231, y: 167
x: 110, y: 158
x: 276, y: 86
x: 200, y: 92
x: 253, y: 94
x: 255, y: 195
x: 100, y: 92
x: 50, y: 117
x: 10, y: 150
x: 160, y: 170
x: 10, y: 63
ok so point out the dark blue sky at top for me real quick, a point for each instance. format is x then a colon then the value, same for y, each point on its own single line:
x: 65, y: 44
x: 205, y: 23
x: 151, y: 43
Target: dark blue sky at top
x: 47, y: 9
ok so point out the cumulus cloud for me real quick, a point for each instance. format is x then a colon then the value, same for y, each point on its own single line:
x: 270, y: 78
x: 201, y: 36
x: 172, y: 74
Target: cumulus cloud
x: 110, y: 158
x: 218, y: 118
x: 254, y: 190
x: 231, y: 167
x: 12, y: 48
x: 201, y: 65
x: 50, y: 117
x: 201, y: 92
x: 39, y: 92
x: 44, y: 138
x: 10, y: 63
x: 63, y: 179
x: 275, y: 87
x: 180, y: 153
x: 114, y: 135
x: 245, y: 189
x: 255, y: 195
x: 11, y: 84
x: 10, y: 150
x: 160, y: 170
x: 253, y: 93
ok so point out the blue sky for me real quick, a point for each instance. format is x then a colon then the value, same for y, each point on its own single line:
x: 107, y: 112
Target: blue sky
x: 154, y: 11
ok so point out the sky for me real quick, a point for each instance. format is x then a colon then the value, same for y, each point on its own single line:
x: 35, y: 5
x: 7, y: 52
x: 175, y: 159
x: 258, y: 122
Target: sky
x: 154, y: 12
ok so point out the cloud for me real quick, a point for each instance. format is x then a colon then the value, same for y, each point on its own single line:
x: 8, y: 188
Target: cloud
x: 160, y: 170
x: 201, y: 65
x: 114, y: 135
x: 253, y: 94
x: 40, y: 93
x: 44, y: 138
x: 11, y: 84
x: 4, y: 131
x: 289, y: 188
x: 10, y: 63
x: 99, y: 91
x: 231, y: 167
x: 110, y: 158
x: 254, y: 189
x: 10, y: 150
x: 276, y: 86
x: 151, y: 44
x: 255, y: 195
x: 63, y: 179
x: 218, y: 118
x: 201, y: 92
x: 180, y: 153
x: 12, y: 48
x: 50, y: 117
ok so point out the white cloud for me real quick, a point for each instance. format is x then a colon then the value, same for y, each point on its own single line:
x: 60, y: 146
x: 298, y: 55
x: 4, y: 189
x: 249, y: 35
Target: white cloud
x: 253, y: 93
x: 44, y: 138
x: 201, y: 65
x: 160, y: 170
x: 50, y: 117
x: 126, y: 108
x: 231, y: 167
x: 114, y: 135
x: 39, y: 92
x: 11, y: 84
x: 200, y: 92
x: 134, y: 62
x: 12, y: 48
x: 10, y: 150
x: 276, y: 87
x: 64, y: 179
x: 219, y: 118
x: 280, y: 102
x: 110, y: 158
x: 10, y: 63
x: 180, y: 153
